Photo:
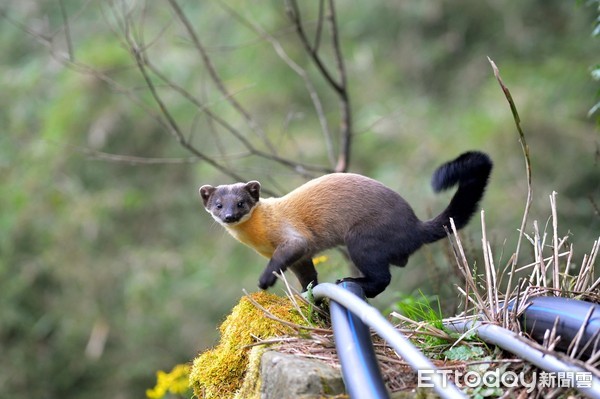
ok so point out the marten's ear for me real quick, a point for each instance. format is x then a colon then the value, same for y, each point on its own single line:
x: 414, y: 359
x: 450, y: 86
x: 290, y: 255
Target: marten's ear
x: 253, y: 187
x: 205, y: 193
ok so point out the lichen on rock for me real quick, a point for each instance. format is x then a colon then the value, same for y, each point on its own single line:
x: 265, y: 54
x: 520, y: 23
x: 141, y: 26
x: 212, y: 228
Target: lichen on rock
x: 219, y: 372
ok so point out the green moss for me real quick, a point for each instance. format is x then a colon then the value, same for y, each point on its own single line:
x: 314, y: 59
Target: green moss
x: 250, y: 388
x: 219, y: 372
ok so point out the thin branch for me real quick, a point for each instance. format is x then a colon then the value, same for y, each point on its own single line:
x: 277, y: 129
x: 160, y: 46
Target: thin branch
x: 85, y: 69
x: 78, y: 67
x: 216, y: 78
x: 293, y: 13
x: 65, y: 19
x: 138, y: 52
x: 339, y: 86
x: 314, y: 96
x: 298, y: 167
x: 525, y: 149
x: 172, y: 125
x: 134, y: 160
x: 317, y: 42
x: 339, y: 59
x: 131, y: 36
x: 303, y: 169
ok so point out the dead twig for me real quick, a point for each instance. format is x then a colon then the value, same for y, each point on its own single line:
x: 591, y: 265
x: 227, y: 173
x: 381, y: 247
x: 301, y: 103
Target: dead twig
x: 525, y: 149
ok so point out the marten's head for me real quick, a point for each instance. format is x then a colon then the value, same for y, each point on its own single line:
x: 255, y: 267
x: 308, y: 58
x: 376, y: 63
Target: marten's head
x: 231, y: 204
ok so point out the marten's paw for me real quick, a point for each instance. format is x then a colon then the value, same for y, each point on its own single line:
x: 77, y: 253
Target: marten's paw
x: 267, y: 279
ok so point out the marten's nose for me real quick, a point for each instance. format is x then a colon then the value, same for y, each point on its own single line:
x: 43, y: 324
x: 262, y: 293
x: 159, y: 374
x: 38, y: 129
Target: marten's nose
x: 228, y: 218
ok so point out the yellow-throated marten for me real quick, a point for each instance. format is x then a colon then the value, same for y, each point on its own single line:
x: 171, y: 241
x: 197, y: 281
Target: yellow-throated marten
x: 377, y: 225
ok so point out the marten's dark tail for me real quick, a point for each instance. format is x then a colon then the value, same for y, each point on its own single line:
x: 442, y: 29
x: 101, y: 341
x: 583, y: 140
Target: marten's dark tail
x: 470, y: 171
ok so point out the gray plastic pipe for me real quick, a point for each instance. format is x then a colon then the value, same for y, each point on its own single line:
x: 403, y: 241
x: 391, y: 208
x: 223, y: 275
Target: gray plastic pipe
x: 360, y: 368
x: 371, y: 317
x: 510, y: 342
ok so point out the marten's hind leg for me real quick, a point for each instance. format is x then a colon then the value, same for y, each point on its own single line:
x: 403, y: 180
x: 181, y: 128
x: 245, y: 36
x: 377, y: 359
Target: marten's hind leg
x: 373, y: 263
x: 306, y: 273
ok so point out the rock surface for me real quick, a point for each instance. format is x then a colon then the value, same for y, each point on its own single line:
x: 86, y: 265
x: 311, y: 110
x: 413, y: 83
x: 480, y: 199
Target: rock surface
x: 287, y: 376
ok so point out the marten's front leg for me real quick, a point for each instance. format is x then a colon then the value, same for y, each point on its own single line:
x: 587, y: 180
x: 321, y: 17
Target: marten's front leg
x: 285, y: 255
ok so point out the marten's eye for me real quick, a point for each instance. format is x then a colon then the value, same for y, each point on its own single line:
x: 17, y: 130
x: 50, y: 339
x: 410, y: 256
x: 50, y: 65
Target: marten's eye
x: 240, y: 204
x: 219, y: 206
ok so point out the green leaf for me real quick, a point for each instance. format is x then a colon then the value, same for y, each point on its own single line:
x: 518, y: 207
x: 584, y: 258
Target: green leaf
x: 463, y: 352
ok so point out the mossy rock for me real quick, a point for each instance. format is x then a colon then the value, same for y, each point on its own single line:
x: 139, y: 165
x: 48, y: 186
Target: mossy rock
x: 219, y: 372
x: 286, y: 376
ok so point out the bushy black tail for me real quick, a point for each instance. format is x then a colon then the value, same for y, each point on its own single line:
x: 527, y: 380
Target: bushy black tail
x: 470, y: 171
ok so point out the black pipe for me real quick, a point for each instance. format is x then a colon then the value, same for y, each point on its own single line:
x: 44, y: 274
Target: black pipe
x: 569, y: 316
x: 360, y: 369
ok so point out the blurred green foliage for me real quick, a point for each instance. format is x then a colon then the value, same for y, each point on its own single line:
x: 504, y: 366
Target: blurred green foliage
x: 111, y: 270
x: 595, y: 110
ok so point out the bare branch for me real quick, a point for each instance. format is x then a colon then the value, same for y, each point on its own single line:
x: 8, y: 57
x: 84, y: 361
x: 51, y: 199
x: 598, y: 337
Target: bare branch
x: 63, y: 14
x: 134, y: 160
x: 346, y: 118
x: 299, y: 167
x: 293, y: 13
x: 217, y: 79
x: 317, y: 42
x: 339, y: 85
x: 128, y: 26
x: 339, y: 59
x: 138, y: 52
x: 170, y: 126
x: 314, y: 96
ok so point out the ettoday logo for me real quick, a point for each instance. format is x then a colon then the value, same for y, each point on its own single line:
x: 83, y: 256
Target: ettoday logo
x: 506, y: 379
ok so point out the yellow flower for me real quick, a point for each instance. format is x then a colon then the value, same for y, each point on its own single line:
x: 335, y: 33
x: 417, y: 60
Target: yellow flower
x: 175, y: 382
x: 319, y: 259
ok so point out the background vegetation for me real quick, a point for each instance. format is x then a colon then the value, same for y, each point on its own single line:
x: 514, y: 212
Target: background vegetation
x: 110, y: 269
